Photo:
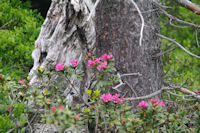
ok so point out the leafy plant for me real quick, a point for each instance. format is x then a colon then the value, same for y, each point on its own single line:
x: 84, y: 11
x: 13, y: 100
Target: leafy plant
x: 19, y: 28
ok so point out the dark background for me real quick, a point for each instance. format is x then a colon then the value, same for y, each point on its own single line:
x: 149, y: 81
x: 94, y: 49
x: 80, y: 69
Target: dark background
x: 41, y: 5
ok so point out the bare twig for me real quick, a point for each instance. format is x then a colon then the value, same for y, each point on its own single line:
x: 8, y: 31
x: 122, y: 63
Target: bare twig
x: 161, y: 6
x: 131, y: 74
x: 197, y: 39
x: 179, y: 20
x: 142, y: 19
x: 12, y: 20
x: 147, y: 96
x: 189, y: 5
x: 29, y: 124
x: 179, y: 45
x: 177, y: 26
x: 163, y: 53
x: 131, y: 89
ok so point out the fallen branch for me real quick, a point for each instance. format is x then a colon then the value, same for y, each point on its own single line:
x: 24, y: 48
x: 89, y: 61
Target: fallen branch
x: 179, y: 45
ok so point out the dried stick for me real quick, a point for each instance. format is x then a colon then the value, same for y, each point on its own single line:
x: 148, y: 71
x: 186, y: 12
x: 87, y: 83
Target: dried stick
x: 189, y: 5
x: 178, y: 20
x: 197, y: 39
x: 179, y: 45
x: 147, y: 96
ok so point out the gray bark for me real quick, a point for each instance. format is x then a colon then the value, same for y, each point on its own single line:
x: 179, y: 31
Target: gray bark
x: 118, y: 27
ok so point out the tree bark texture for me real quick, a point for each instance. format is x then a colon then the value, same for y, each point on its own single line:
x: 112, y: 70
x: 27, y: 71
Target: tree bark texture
x: 64, y: 35
x: 118, y: 27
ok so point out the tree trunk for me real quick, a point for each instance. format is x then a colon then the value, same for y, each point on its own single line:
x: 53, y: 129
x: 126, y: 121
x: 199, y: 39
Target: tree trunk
x: 66, y: 34
x: 118, y: 27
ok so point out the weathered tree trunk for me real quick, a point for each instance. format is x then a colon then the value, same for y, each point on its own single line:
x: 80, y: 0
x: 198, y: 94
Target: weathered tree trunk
x: 118, y: 27
x: 66, y: 35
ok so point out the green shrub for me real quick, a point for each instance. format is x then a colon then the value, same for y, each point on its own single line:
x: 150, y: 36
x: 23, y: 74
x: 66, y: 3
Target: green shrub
x: 20, y: 27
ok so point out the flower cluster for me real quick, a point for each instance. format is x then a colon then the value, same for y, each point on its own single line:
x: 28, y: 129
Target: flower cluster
x: 108, y: 97
x: 22, y: 82
x: 54, y: 108
x: 157, y: 102
x: 74, y: 62
x: 197, y: 91
x: 144, y: 104
x: 60, y: 66
x: 102, y: 61
x: 102, y: 66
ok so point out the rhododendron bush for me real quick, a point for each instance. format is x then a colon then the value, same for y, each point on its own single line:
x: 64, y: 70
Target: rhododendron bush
x: 105, y: 111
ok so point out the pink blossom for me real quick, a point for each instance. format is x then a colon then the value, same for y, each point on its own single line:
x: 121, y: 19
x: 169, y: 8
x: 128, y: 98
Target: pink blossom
x: 61, y: 107
x: 106, y: 57
x: 53, y: 109
x: 161, y: 103
x: 153, y: 101
x: 60, y: 66
x: 102, y: 66
x: 97, y: 61
x: 143, y: 104
x: 89, y: 54
x: 106, y: 97
x: 197, y: 91
x: 77, y: 117
x: 116, y: 98
x: 91, y: 63
x: 99, y: 67
x: 22, y: 81
x: 1, y: 76
x: 74, y: 62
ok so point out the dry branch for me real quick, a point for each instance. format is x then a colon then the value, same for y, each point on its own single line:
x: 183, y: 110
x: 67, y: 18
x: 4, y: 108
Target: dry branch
x: 179, y: 20
x: 179, y: 45
x: 147, y: 96
x: 189, y: 5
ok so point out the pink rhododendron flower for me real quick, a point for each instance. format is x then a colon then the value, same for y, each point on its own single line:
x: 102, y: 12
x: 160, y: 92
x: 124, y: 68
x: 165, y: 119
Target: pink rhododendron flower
x: 74, y: 62
x: 60, y: 66
x: 161, y: 103
x: 1, y: 76
x: 102, y: 66
x: 153, y: 101
x: 61, y: 107
x: 53, y: 109
x: 77, y: 117
x: 197, y: 91
x: 91, y: 63
x: 143, y: 104
x: 106, y: 97
x: 99, y: 67
x: 9, y: 108
x: 106, y: 57
x: 97, y: 61
x: 116, y: 98
x: 89, y: 54
x: 22, y: 81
